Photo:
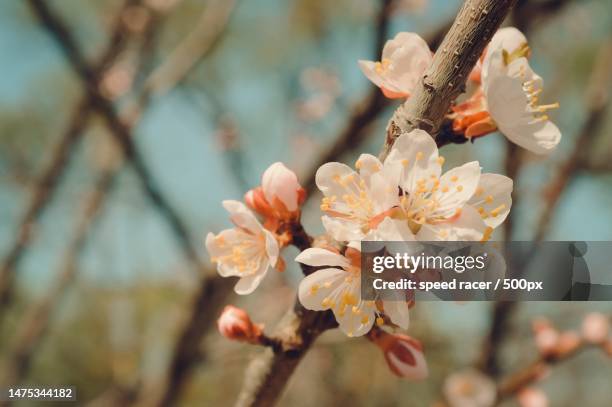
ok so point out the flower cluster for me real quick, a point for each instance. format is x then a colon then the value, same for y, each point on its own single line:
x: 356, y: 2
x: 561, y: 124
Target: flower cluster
x: 405, y: 197
x: 506, y: 97
x: 250, y: 248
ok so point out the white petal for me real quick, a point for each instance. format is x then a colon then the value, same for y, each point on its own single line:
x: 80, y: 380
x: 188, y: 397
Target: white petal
x: 456, y: 187
x: 398, y: 311
x: 272, y: 248
x: 418, y: 154
x: 537, y: 137
x: 367, y: 164
x: 246, y: 285
x: 469, y: 226
x: 409, y: 60
x: 280, y: 182
x: 325, y: 282
x: 327, y: 177
x: 356, y: 323
x: 493, y: 192
x: 383, y: 192
x: 316, y: 257
x: 342, y: 230
x: 391, y: 230
x: 369, y: 70
x: 241, y: 216
x: 508, y: 39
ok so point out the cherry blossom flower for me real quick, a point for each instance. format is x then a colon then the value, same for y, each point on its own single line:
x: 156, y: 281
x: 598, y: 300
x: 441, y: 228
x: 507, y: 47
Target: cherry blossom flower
x: 338, y: 287
x: 461, y: 204
x: 470, y: 388
x: 246, y: 251
x: 235, y: 324
x: 403, y: 354
x: 355, y: 203
x: 403, y: 62
x: 595, y: 328
x: 279, y: 196
x: 508, y: 99
x: 532, y: 397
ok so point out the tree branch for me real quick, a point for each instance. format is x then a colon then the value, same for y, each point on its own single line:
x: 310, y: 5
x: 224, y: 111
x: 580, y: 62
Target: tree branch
x: 445, y: 79
x: 268, y: 374
x: 358, y: 126
x: 120, y: 130
x: 47, y: 183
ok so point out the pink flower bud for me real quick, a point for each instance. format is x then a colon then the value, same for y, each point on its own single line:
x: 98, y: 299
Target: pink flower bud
x: 469, y: 388
x: 595, y: 327
x: 532, y: 397
x: 568, y: 342
x: 281, y: 188
x: 235, y: 324
x: 546, y: 336
x: 403, y: 354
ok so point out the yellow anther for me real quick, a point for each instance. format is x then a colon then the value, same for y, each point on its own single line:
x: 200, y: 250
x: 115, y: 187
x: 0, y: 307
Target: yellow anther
x: 419, y: 155
x: 489, y: 199
x: 487, y: 234
x: 405, y: 162
x: 314, y: 288
x: 380, y: 321
x: 459, y: 188
x: 497, y: 210
x: 479, y: 191
x: 441, y: 160
x: 454, y: 178
x: 355, y: 310
x: 365, y: 319
x: 445, y: 188
x: 326, y: 303
x: 481, y: 210
x: 543, y: 108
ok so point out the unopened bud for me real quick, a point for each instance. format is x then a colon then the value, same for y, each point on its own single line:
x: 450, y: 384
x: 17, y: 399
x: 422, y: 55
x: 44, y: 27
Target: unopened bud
x: 235, y: 324
x: 532, y: 397
x: 282, y: 189
x: 469, y: 388
x: 595, y: 328
x: 403, y: 354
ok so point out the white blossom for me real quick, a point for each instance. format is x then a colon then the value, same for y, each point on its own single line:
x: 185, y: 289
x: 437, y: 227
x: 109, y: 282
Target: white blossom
x: 403, y: 62
x: 511, y: 90
x: 461, y: 204
x: 245, y: 251
x: 337, y: 287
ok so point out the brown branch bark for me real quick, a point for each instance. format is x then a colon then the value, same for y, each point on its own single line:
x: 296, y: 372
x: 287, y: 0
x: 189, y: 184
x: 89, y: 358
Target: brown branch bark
x: 521, y: 379
x: 45, y: 188
x: 359, y: 125
x: 38, y: 318
x: 445, y: 79
x: 268, y: 373
x: 120, y: 130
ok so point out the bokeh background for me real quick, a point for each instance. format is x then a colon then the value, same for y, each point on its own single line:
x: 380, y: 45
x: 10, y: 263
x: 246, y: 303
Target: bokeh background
x: 102, y: 256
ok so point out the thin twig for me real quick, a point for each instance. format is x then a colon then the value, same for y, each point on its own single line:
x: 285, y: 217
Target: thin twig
x: 446, y: 77
x: 120, y: 130
x: 47, y: 183
x: 359, y: 125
